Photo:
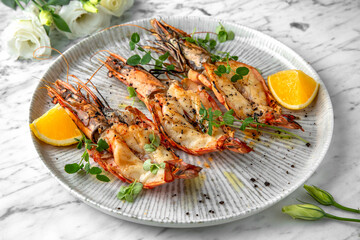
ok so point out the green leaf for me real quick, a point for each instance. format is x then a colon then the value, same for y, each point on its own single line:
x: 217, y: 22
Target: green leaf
x: 10, y: 3
x: 134, y: 60
x: 164, y: 56
x: 47, y: 29
x: 60, y: 23
x: 141, y: 49
x: 170, y: 67
x: 222, y: 36
x: 212, y: 44
x: 221, y: 69
x: 158, y: 64
x: 132, y: 45
x: 218, y: 73
x: 86, y: 156
x: 135, y: 37
x: 131, y: 91
x: 58, y: 2
x: 95, y: 170
x: 146, y: 59
x: 102, y: 145
x: 137, y: 188
x: 156, y: 140
x: 235, y: 58
x: 154, y: 169
x: 228, y: 117
x: 236, y: 77
x: 87, y: 167
x: 162, y: 165
x: 207, y: 38
x: 217, y: 113
x: 230, y: 35
x: 72, y: 168
x: 219, y: 28
x: 242, y: 71
x: 246, y: 123
x: 102, y: 178
x: 147, y: 165
x: 130, y: 193
x: 149, y: 148
x: 79, y: 145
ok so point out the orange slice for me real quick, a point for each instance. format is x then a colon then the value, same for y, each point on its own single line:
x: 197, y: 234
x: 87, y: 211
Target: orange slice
x: 55, y: 127
x: 293, y: 89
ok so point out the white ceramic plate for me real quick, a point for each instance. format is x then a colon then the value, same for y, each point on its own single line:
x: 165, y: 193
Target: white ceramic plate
x: 224, y: 190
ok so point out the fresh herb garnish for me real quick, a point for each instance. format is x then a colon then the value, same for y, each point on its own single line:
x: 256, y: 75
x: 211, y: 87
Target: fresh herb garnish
x: 146, y: 58
x: 84, y: 163
x: 206, y: 43
x: 130, y: 192
x: 240, y: 72
x: 153, y: 167
x: 228, y: 119
x: 154, y: 143
x: 224, y: 35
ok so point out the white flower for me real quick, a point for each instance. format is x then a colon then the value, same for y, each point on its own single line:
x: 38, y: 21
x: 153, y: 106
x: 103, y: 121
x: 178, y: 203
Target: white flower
x: 81, y: 22
x: 23, y: 36
x: 116, y: 7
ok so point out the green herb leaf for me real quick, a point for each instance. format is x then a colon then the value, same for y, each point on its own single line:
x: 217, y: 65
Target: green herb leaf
x: 235, y: 58
x: 72, y: 168
x: 155, y: 140
x: 242, y: 71
x: 135, y: 37
x: 87, y: 167
x: 158, y: 64
x: 146, y: 58
x: 228, y: 117
x: 131, y: 91
x: 147, y: 165
x: 246, y: 123
x: 219, y: 28
x: 170, y: 67
x: 236, y: 77
x: 134, y: 60
x: 95, y: 170
x: 212, y: 44
x: 132, y: 45
x: 154, y: 169
x: 102, y: 145
x: 141, y: 49
x: 221, y: 69
x: 164, y: 56
x: 230, y: 35
x: 222, y: 36
x: 130, y: 193
x: 149, y: 148
x: 60, y: 23
x: 102, y: 178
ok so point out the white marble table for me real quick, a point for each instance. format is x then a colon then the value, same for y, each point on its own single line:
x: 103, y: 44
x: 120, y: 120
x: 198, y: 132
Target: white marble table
x: 325, y: 32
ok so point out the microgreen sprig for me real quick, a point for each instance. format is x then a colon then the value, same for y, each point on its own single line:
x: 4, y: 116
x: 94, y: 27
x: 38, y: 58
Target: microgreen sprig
x: 206, y: 43
x: 75, y: 167
x: 153, y: 167
x: 130, y: 192
x: 154, y: 143
x: 146, y: 59
x: 224, y: 35
x: 228, y: 119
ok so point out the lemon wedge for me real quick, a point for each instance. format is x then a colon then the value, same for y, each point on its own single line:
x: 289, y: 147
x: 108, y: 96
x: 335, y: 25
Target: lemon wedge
x: 293, y: 89
x: 55, y: 127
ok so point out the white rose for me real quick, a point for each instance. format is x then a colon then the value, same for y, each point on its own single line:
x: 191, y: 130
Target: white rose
x: 81, y: 22
x: 116, y: 7
x: 23, y: 36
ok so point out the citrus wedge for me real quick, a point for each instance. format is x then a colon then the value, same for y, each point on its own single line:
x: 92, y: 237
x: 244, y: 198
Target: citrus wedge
x: 55, y: 127
x: 293, y: 89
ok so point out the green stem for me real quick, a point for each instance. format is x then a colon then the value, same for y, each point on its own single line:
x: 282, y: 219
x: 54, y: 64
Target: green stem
x: 18, y: 3
x: 346, y: 208
x: 267, y: 132
x: 341, y: 218
x: 278, y: 129
x: 36, y: 4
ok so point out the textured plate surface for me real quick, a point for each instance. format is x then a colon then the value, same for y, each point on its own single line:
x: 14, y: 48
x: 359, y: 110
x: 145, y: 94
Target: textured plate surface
x: 223, y: 192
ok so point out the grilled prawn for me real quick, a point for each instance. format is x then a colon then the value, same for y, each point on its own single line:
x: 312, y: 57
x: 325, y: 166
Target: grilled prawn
x: 126, y: 133
x: 175, y: 109
x: 248, y: 97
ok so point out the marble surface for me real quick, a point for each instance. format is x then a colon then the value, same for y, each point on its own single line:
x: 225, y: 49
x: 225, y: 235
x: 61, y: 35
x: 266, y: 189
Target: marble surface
x: 325, y: 32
